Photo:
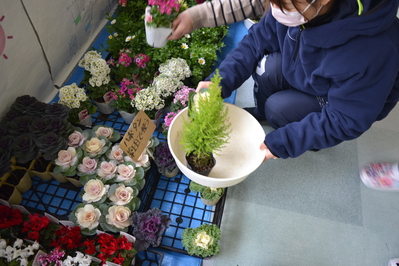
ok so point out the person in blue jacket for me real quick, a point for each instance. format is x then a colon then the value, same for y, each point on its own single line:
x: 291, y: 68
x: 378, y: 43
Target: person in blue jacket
x: 324, y: 71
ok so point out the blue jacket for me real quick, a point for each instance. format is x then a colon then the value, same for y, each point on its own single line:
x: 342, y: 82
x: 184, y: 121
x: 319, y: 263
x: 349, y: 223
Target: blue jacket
x: 352, y: 61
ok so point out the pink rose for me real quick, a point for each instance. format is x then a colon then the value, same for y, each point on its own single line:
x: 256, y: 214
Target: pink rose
x: 76, y: 139
x: 94, y: 190
x: 104, y: 131
x: 88, y: 166
x: 125, y: 173
x: 116, y: 154
x: 107, y: 170
x: 66, y: 158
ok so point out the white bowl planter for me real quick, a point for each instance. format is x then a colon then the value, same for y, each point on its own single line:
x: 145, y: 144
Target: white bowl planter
x: 236, y: 161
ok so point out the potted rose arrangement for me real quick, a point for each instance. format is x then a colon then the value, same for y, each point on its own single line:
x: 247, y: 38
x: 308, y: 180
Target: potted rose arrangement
x: 201, y: 241
x: 158, y: 19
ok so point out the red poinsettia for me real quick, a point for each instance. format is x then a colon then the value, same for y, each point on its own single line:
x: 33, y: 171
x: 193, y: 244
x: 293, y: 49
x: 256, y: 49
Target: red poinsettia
x: 34, y: 225
x: 9, y: 217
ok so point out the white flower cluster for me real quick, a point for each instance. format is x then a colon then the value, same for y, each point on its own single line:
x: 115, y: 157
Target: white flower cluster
x: 98, y: 68
x: 167, y: 85
x: 18, y: 251
x: 148, y: 99
x: 79, y: 260
x: 176, y: 68
x: 72, y: 95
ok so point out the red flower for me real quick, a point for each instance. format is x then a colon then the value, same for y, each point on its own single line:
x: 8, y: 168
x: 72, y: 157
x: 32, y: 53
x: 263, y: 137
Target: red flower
x: 34, y: 225
x: 67, y: 237
x: 118, y: 259
x: 9, y: 217
x: 90, y: 247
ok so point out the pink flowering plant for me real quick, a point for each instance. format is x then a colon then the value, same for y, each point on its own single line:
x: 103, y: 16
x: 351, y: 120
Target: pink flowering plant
x: 161, y: 13
x: 124, y: 95
x: 67, y: 161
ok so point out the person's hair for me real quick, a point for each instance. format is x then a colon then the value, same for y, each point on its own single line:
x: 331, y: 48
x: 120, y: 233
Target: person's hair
x: 282, y: 4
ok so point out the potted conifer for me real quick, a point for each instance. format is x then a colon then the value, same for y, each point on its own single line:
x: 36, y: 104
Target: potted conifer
x: 207, y: 129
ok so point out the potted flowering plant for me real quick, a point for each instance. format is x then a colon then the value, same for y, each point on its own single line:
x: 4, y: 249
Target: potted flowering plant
x: 158, y: 19
x: 17, y: 253
x: 149, y: 227
x: 123, y: 97
x: 164, y: 160
x: 201, y: 241
x: 150, y: 101
x: 81, y: 107
x: 98, y: 83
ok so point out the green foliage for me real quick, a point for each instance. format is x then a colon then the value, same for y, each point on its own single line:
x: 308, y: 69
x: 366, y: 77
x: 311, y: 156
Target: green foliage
x: 190, y: 237
x: 208, y: 128
x: 199, y: 49
x: 208, y: 193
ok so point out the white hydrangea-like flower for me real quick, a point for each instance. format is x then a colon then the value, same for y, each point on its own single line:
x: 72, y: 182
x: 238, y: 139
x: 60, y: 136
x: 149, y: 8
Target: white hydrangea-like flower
x: 87, y: 58
x: 71, y: 96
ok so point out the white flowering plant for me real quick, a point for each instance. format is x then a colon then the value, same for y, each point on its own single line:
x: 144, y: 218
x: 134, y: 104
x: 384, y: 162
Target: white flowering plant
x: 76, y: 99
x: 149, y: 100
x: 17, y: 254
x: 97, y: 78
x: 202, y: 241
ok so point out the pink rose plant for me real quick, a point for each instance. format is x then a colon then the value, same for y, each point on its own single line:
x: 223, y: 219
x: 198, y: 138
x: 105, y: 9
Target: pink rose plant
x: 87, y: 167
x: 67, y: 161
x: 108, y: 132
x: 94, y: 191
x: 107, y: 170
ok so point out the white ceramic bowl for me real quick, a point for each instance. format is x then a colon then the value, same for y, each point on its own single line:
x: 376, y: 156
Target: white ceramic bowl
x: 236, y: 161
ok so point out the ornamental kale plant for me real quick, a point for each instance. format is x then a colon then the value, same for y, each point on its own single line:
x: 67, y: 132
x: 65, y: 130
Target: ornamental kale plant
x: 209, y: 193
x: 148, y: 228
x: 163, y: 158
x: 202, y: 241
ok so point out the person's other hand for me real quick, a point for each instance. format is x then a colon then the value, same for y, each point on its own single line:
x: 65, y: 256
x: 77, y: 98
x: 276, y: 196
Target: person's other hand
x: 182, y: 25
x: 268, y: 155
x: 202, y: 84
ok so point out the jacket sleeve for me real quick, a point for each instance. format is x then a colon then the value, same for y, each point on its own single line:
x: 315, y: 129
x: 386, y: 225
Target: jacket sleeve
x: 241, y: 62
x: 223, y: 12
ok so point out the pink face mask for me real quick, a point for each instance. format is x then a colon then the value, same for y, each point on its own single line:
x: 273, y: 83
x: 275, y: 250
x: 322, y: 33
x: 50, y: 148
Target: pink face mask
x: 292, y: 19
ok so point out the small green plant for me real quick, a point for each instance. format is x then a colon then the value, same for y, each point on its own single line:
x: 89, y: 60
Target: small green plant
x: 208, y: 193
x: 208, y: 128
x: 202, y: 241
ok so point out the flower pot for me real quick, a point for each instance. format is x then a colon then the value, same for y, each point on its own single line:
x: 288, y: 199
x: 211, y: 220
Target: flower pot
x: 75, y: 181
x: 201, y: 169
x: 156, y: 37
x: 170, y: 174
x: 239, y: 158
x: 41, y: 169
x: 10, y: 194
x: 87, y: 121
x: 19, y: 178
x: 104, y: 108
x: 127, y: 117
x: 210, y: 202
x: 157, y: 118
x: 60, y: 178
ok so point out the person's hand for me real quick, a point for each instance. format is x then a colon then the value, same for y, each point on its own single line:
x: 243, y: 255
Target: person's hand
x: 268, y: 155
x: 182, y: 25
x: 202, y: 84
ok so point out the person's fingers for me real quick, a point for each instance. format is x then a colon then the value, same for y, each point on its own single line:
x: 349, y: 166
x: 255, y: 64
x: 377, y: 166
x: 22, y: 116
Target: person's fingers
x: 181, y: 25
x: 202, y: 84
x: 263, y: 146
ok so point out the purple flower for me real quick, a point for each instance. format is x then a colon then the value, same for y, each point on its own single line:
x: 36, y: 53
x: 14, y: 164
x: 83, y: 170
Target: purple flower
x: 56, y: 110
x: 149, y: 228
x: 22, y: 102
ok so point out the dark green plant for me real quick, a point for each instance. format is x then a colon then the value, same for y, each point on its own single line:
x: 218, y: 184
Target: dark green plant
x: 208, y: 193
x: 208, y: 128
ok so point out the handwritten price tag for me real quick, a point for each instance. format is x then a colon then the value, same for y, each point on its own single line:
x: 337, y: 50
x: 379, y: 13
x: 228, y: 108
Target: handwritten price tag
x: 137, y: 136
